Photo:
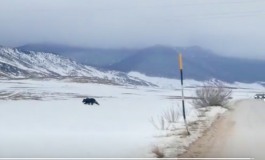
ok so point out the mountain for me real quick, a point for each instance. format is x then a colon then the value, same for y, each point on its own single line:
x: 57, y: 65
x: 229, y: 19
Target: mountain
x: 91, y: 56
x: 161, y: 61
x: 15, y: 63
x: 199, y: 64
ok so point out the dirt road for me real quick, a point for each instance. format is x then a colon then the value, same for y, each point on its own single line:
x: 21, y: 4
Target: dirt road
x: 238, y: 134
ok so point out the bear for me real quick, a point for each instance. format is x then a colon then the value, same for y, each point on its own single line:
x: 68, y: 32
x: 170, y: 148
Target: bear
x: 90, y: 101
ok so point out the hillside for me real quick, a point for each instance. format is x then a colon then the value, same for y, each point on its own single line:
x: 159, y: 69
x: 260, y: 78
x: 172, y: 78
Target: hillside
x: 161, y: 61
x: 15, y: 63
x: 199, y: 64
x: 97, y: 57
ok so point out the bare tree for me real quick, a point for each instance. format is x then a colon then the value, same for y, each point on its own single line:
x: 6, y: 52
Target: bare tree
x: 212, y: 94
x: 164, y: 121
x: 171, y: 115
x: 159, y: 123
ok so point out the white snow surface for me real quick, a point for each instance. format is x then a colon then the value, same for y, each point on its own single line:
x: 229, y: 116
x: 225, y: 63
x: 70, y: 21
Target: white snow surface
x: 166, y: 82
x: 48, y: 119
x: 64, y: 127
x: 240, y: 90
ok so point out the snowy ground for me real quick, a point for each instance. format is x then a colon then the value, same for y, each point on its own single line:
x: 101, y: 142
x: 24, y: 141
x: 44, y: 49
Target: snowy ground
x: 48, y: 119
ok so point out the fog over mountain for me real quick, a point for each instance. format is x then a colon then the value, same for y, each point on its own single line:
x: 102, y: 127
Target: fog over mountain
x: 228, y: 27
x: 161, y: 61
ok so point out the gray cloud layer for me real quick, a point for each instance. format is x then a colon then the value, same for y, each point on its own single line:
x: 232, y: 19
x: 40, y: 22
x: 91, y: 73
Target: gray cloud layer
x: 230, y: 27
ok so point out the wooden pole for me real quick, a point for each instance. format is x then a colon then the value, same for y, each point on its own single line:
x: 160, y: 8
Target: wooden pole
x: 182, y: 92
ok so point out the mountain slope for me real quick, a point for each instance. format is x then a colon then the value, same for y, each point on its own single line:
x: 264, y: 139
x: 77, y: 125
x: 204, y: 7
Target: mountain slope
x: 18, y: 64
x: 162, y: 61
x: 199, y: 64
x: 91, y: 56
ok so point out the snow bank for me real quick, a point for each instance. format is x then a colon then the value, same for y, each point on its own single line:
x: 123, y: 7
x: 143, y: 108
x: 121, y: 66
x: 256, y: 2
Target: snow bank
x: 57, y: 124
x: 175, y: 140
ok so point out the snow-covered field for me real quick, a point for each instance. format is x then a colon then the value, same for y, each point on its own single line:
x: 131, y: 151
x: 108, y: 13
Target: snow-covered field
x: 48, y: 119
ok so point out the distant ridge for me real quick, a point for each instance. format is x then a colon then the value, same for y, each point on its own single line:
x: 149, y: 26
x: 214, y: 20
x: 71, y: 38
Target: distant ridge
x: 199, y: 64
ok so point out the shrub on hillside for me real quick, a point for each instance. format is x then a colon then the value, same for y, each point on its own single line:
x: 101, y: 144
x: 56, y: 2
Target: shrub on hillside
x: 212, y: 94
x: 165, y: 120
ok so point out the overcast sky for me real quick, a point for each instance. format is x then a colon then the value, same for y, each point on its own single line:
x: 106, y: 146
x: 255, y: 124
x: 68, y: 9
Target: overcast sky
x: 228, y: 27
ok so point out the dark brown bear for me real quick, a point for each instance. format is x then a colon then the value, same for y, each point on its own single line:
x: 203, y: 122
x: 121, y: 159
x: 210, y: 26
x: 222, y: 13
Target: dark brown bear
x: 90, y: 101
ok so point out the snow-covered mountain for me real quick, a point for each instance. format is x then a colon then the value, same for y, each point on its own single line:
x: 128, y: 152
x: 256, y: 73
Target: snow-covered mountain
x: 15, y: 63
